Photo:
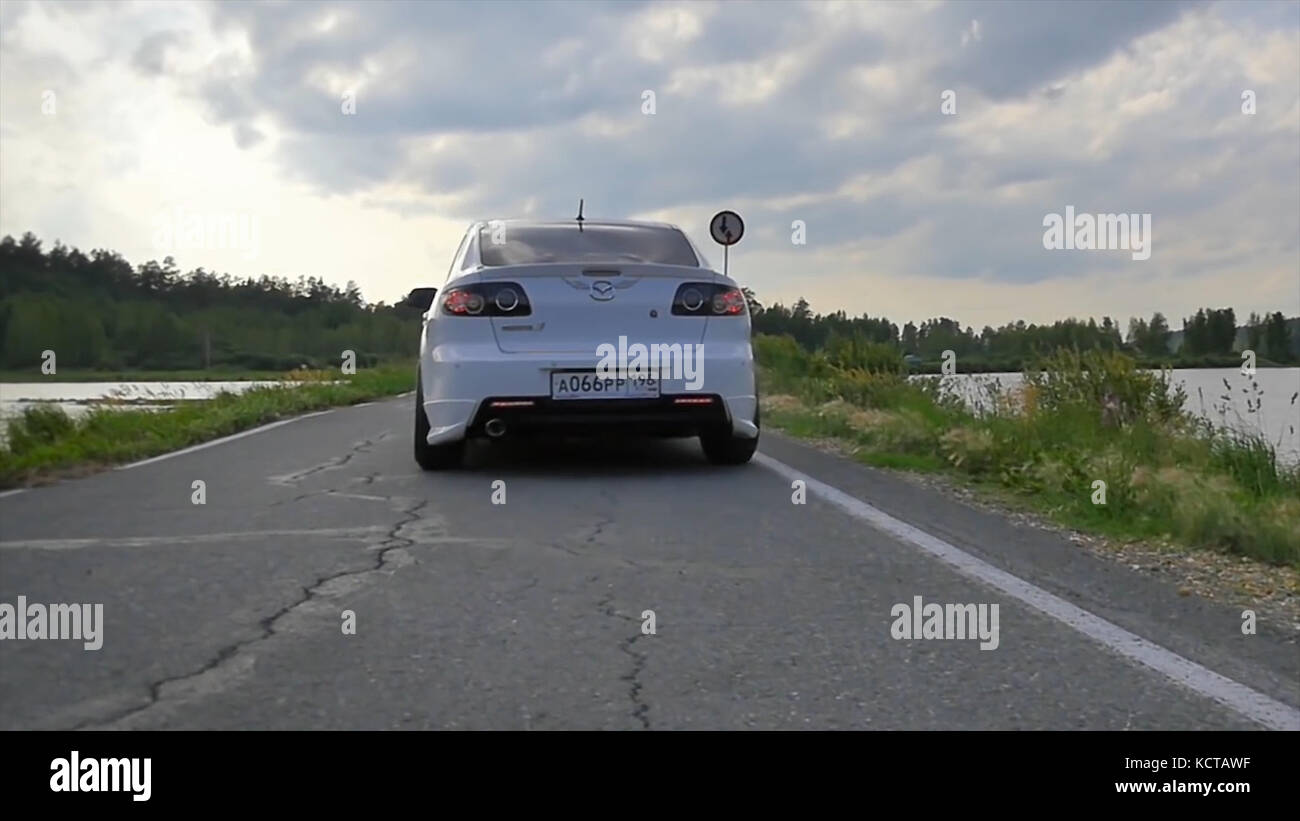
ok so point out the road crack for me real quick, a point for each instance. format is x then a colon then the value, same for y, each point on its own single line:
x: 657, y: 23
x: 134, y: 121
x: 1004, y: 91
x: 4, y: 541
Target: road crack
x: 199, y: 682
x: 292, y: 479
x: 640, y: 709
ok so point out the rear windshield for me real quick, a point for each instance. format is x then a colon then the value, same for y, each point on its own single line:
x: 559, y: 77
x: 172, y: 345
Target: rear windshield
x: 529, y: 244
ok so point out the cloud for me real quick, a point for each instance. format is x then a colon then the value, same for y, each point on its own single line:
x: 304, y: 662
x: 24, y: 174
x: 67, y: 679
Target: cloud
x: 246, y: 136
x: 154, y: 55
x: 823, y: 112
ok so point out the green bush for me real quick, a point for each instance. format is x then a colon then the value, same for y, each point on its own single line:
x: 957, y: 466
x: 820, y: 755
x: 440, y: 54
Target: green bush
x: 860, y: 354
x: 36, y: 426
x: 780, y: 353
x: 1106, y: 382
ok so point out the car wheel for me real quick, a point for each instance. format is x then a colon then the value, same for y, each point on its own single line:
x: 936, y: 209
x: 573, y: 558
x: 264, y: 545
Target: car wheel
x: 725, y: 449
x: 432, y: 457
x: 721, y: 448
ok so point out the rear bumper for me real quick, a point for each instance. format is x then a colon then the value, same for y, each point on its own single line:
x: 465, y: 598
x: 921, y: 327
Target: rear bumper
x: 666, y: 416
x: 458, y: 383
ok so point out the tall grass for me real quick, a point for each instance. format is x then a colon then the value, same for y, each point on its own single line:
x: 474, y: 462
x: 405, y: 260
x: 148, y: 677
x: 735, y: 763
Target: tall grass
x: 1077, y: 419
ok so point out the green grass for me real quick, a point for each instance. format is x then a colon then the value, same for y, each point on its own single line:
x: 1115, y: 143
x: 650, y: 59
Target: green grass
x: 45, y: 442
x: 918, y: 463
x: 1079, y: 418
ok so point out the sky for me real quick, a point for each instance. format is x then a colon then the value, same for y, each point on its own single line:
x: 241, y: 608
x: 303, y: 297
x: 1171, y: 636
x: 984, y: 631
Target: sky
x: 896, y: 159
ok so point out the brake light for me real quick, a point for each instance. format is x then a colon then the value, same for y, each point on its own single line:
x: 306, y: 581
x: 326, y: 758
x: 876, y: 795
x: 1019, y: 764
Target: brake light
x: 729, y: 302
x: 463, y: 303
x: 486, y: 299
x: 708, y: 299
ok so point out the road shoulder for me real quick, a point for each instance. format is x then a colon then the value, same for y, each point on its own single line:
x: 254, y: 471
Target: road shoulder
x: 1207, y: 632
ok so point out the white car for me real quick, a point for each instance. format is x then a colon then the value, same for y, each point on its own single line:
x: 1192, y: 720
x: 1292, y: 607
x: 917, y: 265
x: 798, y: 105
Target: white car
x: 537, y: 329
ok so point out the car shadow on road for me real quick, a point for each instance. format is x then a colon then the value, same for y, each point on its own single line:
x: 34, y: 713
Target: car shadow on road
x: 587, y: 456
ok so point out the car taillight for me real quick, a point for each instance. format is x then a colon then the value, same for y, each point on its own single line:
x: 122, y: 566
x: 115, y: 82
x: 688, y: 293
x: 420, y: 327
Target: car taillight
x: 463, y: 302
x: 729, y: 302
x: 486, y: 299
x: 708, y: 299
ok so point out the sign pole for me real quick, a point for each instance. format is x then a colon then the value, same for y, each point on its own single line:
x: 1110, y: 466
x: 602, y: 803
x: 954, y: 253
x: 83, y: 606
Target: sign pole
x: 726, y: 228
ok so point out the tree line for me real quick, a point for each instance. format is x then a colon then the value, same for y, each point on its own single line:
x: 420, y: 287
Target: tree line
x: 1208, y: 334
x: 99, y: 311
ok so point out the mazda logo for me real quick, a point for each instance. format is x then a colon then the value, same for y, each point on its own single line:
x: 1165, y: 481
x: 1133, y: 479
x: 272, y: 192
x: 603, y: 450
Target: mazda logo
x: 602, y: 291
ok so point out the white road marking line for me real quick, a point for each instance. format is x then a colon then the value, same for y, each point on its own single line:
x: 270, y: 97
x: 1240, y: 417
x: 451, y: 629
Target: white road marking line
x: 1232, y: 694
x: 222, y: 440
x: 13, y: 492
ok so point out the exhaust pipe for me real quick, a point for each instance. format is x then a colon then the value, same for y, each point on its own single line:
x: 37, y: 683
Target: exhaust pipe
x: 495, y: 428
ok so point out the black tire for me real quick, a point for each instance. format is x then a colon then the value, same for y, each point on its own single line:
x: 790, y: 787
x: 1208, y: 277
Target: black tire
x: 721, y: 448
x: 725, y: 449
x: 432, y: 457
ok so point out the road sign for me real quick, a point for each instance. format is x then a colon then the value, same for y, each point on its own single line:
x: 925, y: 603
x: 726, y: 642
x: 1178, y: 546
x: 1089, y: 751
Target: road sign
x: 727, y: 227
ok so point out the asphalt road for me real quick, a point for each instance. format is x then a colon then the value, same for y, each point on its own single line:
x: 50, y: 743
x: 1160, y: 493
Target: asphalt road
x: 529, y: 614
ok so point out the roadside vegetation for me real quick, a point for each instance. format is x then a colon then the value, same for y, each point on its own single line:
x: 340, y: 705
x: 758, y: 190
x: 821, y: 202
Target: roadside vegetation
x: 44, y: 442
x: 1078, y: 419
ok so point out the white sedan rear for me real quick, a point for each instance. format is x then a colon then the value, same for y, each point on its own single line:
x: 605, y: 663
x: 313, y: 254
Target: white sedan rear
x: 568, y: 327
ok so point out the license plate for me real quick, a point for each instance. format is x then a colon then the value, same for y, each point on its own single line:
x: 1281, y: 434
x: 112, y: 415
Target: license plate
x: 575, y: 385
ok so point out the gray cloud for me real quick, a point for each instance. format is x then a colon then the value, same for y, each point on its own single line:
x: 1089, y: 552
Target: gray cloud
x: 829, y: 114
x: 151, y: 56
x: 1026, y: 46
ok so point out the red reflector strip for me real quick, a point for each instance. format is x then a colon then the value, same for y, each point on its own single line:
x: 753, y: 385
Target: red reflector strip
x: 707, y: 400
x: 523, y: 403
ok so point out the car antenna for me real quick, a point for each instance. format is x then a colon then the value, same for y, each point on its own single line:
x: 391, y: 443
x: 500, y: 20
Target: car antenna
x: 580, y: 216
